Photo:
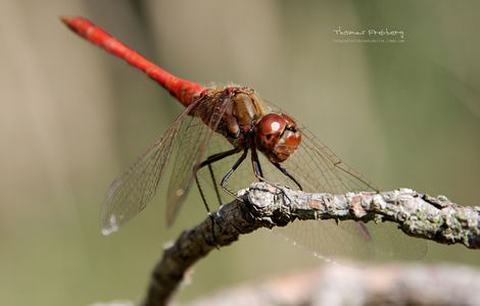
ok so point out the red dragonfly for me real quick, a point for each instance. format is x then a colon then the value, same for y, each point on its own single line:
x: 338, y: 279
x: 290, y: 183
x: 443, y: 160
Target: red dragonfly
x: 218, y: 125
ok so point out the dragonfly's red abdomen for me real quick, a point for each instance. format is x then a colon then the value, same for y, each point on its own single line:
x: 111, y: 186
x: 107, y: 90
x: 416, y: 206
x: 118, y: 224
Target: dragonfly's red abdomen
x: 183, y: 90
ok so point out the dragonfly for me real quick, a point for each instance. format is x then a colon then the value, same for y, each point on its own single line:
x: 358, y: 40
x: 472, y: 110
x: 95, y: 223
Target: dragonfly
x: 219, y: 125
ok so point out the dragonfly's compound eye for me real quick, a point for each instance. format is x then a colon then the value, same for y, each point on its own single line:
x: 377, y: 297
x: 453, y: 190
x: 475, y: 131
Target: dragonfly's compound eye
x: 277, y: 136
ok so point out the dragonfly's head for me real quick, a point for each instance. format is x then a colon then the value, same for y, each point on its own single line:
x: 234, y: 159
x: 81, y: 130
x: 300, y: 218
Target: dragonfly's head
x: 277, y: 136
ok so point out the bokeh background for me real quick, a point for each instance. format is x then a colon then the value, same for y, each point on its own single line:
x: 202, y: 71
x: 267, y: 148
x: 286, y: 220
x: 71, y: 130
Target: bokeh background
x: 72, y: 117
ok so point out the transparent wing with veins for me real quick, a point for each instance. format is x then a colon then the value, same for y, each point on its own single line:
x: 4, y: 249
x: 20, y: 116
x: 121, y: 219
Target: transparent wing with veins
x: 129, y: 194
x: 191, y: 147
x: 186, y: 139
x: 318, y: 169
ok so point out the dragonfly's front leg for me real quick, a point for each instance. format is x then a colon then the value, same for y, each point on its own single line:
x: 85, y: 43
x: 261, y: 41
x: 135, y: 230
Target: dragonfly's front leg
x: 257, y: 168
x: 287, y: 174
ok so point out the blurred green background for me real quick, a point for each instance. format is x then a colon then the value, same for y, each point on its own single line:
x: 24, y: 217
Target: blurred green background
x: 405, y: 114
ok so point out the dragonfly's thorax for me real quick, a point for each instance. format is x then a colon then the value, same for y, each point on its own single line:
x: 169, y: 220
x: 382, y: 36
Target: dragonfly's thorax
x: 247, y: 122
x: 243, y: 110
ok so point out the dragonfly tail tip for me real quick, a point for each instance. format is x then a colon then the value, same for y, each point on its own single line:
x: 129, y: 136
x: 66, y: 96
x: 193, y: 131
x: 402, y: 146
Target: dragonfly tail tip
x: 66, y: 19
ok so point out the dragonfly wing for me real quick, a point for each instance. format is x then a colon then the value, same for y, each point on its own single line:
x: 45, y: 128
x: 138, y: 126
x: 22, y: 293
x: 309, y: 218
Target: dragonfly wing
x: 129, y: 194
x: 332, y: 175
x: 191, y: 146
x: 318, y: 169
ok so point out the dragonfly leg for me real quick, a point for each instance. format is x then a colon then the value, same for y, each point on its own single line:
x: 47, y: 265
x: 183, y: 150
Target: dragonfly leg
x: 257, y: 169
x: 223, y: 183
x: 208, y: 162
x: 286, y: 173
x: 214, y: 180
x: 226, y: 177
x: 212, y: 220
x: 216, y: 157
x: 202, y: 195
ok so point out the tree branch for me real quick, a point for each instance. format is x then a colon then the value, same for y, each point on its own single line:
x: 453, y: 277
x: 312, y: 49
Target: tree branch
x: 263, y: 205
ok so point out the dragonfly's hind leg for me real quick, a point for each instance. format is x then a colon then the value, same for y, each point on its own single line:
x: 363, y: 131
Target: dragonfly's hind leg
x: 235, y: 166
x: 227, y: 176
x: 202, y: 195
x: 214, y: 181
x: 204, y: 200
x: 208, y: 162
